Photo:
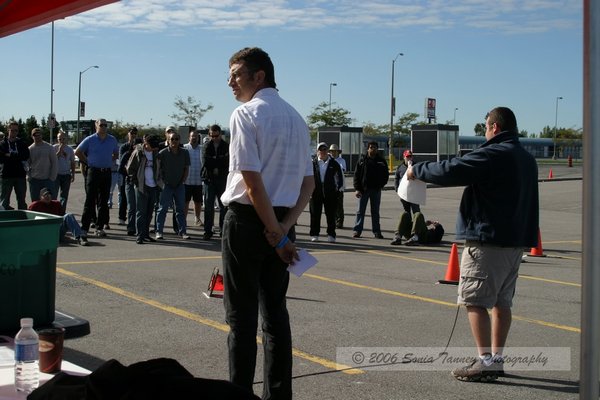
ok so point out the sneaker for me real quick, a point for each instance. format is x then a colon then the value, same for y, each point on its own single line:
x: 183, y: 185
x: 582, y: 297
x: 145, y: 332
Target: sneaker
x: 93, y: 225
x: 139, y: 241
x: 378, y: 235
x: 355, y: 234
x: 207, y: 236
x: 413, y: 241
x: 199, y: 222
x: 122, y: 222
x: 331, y: 239
x: 397, y: 241
x: 159, y: 236
x: 185, y: 236
x: 476, y: 372
x: 82, y: 241
x: 100, y: 233
x: 314, y: 238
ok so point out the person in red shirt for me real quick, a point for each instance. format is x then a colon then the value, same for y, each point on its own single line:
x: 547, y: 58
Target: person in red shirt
x: 49, y: 206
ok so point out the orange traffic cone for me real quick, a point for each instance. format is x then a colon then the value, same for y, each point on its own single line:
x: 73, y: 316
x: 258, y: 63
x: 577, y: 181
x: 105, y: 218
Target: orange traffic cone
x: 453, y: 271
x: 550, y: 175
x: 215, y: 284
x: 537, y: 251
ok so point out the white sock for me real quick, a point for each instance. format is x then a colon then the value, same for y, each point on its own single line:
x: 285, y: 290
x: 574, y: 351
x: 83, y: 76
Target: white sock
x: 486, y: 359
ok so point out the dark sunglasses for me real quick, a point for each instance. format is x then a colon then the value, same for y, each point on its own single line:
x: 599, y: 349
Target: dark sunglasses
x: 103, y: 125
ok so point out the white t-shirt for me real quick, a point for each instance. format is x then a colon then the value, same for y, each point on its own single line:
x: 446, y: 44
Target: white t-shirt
x: 148, y: 174
x: 268, y: 136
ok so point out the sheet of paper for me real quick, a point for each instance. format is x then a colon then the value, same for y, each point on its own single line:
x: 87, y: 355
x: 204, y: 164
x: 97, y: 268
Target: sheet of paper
x: 414, y: 191
x: 306, y: 261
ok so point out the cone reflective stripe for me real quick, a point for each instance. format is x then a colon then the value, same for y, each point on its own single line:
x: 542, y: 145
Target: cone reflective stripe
x: 453, y: 270
x: 537, y: 251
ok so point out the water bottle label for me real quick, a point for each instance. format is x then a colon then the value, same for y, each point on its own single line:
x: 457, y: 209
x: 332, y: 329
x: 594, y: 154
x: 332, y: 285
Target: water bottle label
x: 26, y: 352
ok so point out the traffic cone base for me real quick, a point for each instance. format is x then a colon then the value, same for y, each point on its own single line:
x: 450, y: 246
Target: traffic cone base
x: 537, y: 251
x: 453, y: 270
x: 215, y: 284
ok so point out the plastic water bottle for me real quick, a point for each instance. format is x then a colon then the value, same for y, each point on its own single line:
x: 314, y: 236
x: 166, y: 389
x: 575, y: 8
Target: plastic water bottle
x: 27, y: 370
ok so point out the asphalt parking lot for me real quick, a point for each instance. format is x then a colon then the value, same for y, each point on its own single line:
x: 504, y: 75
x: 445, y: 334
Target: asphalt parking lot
x: 144, y: 302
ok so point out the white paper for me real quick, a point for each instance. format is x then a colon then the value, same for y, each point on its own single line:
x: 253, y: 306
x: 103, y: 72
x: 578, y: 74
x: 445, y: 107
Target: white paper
x: 414, y: 191
x: 306, y: 262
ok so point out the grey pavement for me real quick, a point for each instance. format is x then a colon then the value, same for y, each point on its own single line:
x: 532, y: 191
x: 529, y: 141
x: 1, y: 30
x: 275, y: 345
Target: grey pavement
x: 146, y: 301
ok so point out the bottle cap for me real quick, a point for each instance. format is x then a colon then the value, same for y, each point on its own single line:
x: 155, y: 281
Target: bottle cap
x: 26, y: 322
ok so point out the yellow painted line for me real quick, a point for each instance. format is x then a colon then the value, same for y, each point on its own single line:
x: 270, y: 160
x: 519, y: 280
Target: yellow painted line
x: 535, y: 278
x: 204, y: 321
x: 433, y: 301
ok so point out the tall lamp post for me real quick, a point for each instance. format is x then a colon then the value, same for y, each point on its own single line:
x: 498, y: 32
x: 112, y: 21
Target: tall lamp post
x: 454, y: 119
x: 79, y: 98
x: 330, y: 86
x: 555, y: 127
x: 392, y: 113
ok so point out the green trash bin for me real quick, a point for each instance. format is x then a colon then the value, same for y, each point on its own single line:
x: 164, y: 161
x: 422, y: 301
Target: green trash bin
x: 28, y: 243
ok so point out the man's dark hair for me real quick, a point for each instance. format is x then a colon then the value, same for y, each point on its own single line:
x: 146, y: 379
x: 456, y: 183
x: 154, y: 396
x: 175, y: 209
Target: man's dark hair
x: 215, y: 128
x: 372, y: 143
x: 503, y: 117
x: 256, y: 59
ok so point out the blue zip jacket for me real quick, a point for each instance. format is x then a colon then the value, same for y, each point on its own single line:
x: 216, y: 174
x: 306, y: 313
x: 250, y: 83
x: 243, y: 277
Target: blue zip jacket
x: 500, y: 202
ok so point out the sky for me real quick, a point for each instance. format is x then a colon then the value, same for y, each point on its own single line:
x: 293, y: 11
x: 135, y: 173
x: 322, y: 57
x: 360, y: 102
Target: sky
x: 470, y: 55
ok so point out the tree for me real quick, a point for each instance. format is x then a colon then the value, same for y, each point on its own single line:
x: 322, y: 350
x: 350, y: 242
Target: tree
x: 479, y: 129
x: 404, y: 122
x: 191, y: 112
x: 323, y: 116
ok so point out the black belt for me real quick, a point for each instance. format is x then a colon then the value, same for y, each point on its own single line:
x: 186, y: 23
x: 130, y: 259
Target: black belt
x: 101, y: 169
x: 249, y: 210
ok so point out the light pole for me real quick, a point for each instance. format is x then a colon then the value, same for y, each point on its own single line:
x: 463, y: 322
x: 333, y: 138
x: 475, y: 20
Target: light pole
x: 392, y: 113
x: 79, y: 99
x: 555, y: 127
x: 330, y: 86
x: 454, y: 119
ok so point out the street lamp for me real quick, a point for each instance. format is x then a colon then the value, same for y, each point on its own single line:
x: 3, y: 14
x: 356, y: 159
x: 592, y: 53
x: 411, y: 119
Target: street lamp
x: 555, y: 126
x: 330, y: 86
x: 454, y: 119
x: 79, y: 98
x: 392, y: 113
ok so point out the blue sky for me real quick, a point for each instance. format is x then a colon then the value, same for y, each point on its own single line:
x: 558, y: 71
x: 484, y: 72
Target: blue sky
x: 467, y: 54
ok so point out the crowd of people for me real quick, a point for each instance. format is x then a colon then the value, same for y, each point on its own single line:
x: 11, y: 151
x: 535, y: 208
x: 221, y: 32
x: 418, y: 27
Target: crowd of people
x: 261, y: 190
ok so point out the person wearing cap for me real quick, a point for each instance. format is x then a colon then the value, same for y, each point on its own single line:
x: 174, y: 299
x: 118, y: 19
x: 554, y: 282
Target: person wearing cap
x: 14, y: 154
x: 97, y: 151
x: 142, y: 171
x: 215, y: 167
x: 328, y: 182
x: 45, y: 204
x: 336, y: 153
x: 43, y: 165
x: 127, y: 209
x: 268, y: 186
x: 370, y: 177
x: 65, y: 156
x: 409, y: 208
x: 174, y: 165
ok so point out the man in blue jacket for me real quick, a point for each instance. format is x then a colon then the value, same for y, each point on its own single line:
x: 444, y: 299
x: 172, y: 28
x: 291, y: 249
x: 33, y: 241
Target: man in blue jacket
x: 498, y: 218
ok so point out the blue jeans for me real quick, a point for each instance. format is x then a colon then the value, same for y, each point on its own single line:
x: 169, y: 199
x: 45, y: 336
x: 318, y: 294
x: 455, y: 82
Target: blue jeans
x: 144, y: 208
x: 168, y: 196
x: 6, y: 187
x: 70, y: 224
x: 130, y: 193
x: 374, y: 195
x: 36, y: 185
x: 62, y: 185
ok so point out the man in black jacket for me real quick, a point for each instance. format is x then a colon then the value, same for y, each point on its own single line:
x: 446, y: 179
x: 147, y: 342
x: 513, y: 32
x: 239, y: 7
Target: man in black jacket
x: 498, y: 218
x: 370, y: 177
x: 328, y: 182
x: 215, y: 167
x: 13, y: 153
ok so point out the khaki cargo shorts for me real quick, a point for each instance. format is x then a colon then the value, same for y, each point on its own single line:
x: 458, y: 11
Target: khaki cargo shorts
x: 488, y: 275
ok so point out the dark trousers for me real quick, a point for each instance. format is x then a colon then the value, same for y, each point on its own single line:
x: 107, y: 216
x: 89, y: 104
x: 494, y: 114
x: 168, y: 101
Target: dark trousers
x: 97, y: 190
x: 339, y: 210
x: 122, y: 200
x: 255, y: 279
x: 144, y: 204
x: 316, y: 205
x: 214, y: 190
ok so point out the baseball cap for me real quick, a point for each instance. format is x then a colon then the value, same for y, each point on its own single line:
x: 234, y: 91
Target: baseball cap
x: 407, y: 153
x: 322, y: 144
x: 44, y: 192
x: 170, y: 128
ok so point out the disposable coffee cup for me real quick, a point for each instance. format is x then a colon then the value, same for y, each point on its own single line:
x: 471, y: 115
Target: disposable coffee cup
x: 51, y: 349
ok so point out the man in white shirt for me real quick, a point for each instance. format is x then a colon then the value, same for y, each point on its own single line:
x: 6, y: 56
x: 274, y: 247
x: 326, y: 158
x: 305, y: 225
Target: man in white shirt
x: 193, y: 183
x: 269, y: 184
x: 336, y: 153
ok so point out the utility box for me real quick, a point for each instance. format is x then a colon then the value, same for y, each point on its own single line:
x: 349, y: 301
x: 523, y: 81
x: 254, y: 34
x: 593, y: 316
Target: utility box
x: 28, y: 244
x: 434, y: 142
